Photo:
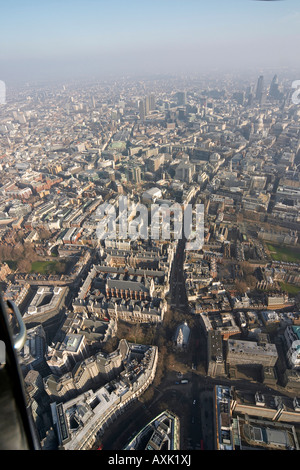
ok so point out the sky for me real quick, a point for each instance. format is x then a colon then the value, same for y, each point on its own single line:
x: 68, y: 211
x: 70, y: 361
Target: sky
x: 84, y: 38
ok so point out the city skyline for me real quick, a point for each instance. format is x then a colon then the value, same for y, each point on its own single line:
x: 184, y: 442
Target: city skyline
x: 111, y: 321
x: 97, y: 38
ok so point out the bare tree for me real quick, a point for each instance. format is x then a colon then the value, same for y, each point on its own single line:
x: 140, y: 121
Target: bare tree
x: 241, y: 286
x: 24, y: 265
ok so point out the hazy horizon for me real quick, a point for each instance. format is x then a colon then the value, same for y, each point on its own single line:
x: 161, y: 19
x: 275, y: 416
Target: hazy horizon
x: 79, y: 39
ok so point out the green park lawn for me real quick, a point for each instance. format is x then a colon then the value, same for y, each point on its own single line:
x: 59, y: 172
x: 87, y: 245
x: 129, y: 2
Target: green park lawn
x: 47, y: 267
x: 284, y: 253
x: 290, y: 288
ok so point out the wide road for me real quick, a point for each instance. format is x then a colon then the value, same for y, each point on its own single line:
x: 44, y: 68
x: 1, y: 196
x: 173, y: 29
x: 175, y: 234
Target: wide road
x: 177, y: 280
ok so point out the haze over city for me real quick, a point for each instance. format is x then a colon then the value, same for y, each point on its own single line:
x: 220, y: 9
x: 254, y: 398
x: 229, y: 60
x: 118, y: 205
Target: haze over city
x: 80, y: 39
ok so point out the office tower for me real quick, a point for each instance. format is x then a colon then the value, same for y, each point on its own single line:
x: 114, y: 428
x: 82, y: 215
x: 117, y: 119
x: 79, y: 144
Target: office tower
x: 259, y: 88
x: 263, y: 98
x: 147, y: 105
x: 152, y: 102
x: 274, y: 84
x: 142, y: 110
x: 250, y: 99
x: 274, y: 90
x: 136, y: 174
x: 239, y: 96
x: 249, y: 91
x: 181, y: 98
x: 155, y: 162
x: 181, y: 113
x: 203, y: 106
